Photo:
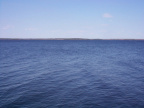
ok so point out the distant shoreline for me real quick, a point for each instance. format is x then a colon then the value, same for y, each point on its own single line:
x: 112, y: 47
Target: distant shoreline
x: 61, y: 39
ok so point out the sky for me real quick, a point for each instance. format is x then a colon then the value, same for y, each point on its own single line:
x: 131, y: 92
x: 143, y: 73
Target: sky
x: 93, y: 19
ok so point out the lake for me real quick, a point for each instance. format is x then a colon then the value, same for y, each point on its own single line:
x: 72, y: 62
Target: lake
x: 71, y: 74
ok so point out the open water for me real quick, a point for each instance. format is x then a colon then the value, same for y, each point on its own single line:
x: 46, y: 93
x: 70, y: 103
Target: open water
x: 71, y: 74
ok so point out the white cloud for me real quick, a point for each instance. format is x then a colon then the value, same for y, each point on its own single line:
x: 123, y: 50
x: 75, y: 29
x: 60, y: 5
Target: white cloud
x: 104, y: 25
x: 30, y: 29
x: 107, y: 15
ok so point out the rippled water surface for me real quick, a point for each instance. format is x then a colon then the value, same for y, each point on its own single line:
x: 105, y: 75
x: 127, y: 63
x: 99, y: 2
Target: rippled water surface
x: 71, y: 74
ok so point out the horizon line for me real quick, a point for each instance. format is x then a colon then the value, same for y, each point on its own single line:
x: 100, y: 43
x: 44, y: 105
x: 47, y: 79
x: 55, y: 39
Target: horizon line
x: 64, y: 39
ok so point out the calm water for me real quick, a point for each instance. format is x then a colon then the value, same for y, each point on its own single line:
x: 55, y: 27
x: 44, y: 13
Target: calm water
x: 71, y: 74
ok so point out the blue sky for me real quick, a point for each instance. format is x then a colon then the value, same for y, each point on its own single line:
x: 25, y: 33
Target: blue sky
x: 98, y: 19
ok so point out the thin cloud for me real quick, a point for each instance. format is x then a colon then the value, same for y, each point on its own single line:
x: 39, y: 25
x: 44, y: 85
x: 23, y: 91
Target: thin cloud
x: 7, y: 27
x: 107, y: 15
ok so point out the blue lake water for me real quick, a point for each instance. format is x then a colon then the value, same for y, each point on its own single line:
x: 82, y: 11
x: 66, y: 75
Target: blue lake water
x: 71, y: 74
